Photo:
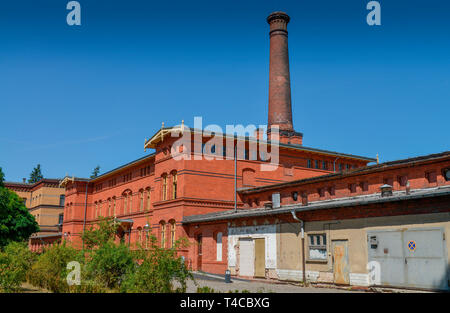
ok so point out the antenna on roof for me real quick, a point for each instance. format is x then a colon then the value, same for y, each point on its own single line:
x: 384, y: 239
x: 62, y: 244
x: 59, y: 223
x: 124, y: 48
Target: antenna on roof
x: 378, y: 160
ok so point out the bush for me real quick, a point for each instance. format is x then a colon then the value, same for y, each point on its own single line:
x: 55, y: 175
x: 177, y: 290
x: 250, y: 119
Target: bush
x: 109, y: 264
x: 15, y: 262
x: 159, y: 269
x: 50, y: 270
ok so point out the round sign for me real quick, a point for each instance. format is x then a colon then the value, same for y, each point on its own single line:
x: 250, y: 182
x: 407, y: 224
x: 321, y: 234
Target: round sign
x: 411, y: 245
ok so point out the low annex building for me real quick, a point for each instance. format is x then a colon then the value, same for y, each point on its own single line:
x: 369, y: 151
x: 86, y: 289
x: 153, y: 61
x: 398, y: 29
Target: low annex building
x: 382, y: 225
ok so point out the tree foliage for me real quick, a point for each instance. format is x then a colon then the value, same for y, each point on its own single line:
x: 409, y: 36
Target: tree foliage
x: 15, y: 262
x: 2, y: 178
x: 50, y: 270
x: 96, y: 171
x: 36, y: 175
x: 16, y: 223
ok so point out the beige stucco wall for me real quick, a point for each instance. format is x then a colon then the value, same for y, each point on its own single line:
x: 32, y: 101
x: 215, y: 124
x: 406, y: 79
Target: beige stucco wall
x: 289, y: 253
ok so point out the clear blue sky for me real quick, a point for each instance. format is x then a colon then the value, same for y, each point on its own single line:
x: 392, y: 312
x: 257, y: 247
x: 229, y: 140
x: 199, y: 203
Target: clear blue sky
x: 74, y: 97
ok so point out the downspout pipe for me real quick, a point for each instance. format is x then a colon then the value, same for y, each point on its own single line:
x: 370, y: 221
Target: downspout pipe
x: 85, y: 211
x: 302, y: 226
x: 235, y: 177
x: 334, y: 164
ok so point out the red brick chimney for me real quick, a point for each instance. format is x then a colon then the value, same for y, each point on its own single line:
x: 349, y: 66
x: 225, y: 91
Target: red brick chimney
x: 280, y: 111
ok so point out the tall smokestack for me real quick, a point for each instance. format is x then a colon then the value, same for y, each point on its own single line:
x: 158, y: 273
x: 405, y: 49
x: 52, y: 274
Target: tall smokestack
x: 280, y: 110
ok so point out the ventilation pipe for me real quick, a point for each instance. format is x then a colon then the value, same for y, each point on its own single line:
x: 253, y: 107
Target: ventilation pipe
x: 302, y: 226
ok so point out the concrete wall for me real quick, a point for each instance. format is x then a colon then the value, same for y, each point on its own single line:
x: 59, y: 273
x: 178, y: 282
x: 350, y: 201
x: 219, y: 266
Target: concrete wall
x: 289, y: 253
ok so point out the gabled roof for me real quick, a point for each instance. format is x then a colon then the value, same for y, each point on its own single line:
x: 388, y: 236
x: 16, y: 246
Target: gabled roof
x: 163, y: 132
x: 106, y: 174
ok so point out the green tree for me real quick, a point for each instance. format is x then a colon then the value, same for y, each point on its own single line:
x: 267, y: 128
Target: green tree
x: 100, y: 234
x: 36, y: 175
x: 16, y: 223
x: 96, y: 171
x: 2, y: 178
x: 15, y: 261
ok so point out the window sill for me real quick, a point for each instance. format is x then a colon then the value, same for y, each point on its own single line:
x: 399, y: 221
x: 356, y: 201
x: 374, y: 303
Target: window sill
x: 318, y: 261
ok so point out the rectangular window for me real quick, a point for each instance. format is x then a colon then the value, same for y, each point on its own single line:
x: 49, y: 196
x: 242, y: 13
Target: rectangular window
x: 309, y: 164
x: 61, y: 200
x: 219, y: 247
x: 324, y: 165
x: 316, y: 162
x: 364, y: 186
x: 352, y: 188
x: 321, y: 192
x: 331, y: 190
x: 317, y: 247
x: 276, y: 200
x: 431, y: 177
x: 402, y: 180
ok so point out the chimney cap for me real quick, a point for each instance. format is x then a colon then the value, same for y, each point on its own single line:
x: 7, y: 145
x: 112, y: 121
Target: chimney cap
x: 278, y: 15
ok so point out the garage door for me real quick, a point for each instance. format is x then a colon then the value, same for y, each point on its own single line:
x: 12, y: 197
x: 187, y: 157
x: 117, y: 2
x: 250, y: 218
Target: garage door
x: 410, y: 258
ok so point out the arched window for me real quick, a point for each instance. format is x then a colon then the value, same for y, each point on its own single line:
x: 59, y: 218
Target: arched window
x: 125, y: 202
x: 148, y: 199
x: 172, y: 233
x: 219, y: 246
x: 114, y: 206
x: 99, y: 208
x: 139, y: 235
x: 130, y: 197
x: 96, y: 209
x: 109, y: 206
x: 174, y: 185
x: 141, y: 203
x: 164, y: 187
x: 163, y: 234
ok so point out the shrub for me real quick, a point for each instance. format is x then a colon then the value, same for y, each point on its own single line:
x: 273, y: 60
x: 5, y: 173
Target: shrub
x: 159, y: 269
x: 109, y: 263
x: 50, y: 270
x: 15, y: 262
x: 205, y: 289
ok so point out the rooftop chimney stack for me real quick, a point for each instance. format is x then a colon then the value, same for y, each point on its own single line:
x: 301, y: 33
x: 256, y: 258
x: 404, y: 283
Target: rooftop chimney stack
x: 280, y: 110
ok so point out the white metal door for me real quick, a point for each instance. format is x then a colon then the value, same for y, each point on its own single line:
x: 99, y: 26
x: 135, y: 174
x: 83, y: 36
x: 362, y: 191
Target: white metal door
x: 246, y: 257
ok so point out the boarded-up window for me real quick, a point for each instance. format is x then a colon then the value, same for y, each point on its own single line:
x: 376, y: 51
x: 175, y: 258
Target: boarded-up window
x: 248, y: 177
x: 219, y: 247
x: 317, y: 247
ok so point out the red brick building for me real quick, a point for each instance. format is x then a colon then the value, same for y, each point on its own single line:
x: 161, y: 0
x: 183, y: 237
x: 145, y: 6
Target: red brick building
x: 239, y: 207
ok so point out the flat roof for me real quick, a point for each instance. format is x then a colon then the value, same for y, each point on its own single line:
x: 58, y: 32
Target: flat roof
x: 320, y: 205
x: 352, y: 172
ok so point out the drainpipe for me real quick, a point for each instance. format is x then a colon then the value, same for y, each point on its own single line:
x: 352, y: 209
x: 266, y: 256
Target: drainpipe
x: 334, y: 164
x: 235, y: 177
x: 85, y: 210
x: 302, y: 226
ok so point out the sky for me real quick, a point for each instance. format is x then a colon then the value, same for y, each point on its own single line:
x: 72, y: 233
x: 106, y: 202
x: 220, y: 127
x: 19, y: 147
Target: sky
x: 74, y: 97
